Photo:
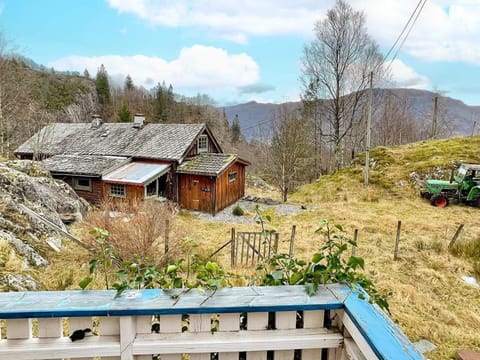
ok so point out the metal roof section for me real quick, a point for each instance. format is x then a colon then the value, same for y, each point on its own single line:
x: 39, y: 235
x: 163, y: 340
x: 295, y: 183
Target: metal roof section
x: 207, y: 164
x: 86, y: 165
x: 136, y: 173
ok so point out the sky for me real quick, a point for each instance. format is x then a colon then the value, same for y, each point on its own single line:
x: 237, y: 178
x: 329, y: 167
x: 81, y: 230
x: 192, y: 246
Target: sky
x: 240, y: 51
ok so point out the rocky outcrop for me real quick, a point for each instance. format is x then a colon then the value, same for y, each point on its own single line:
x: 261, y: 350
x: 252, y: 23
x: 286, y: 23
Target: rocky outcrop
x: 23, y: 182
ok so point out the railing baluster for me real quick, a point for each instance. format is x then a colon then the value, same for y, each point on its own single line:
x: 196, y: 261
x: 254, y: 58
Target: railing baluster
x: 171, y: 324
x: 229, y: 322
x: 200, y: 323
x: 257, y: 321
x: 109, y: 326
x: 19, y: 329
x: 80, y: 323
x: 312, y: 319
x: 285, y: 320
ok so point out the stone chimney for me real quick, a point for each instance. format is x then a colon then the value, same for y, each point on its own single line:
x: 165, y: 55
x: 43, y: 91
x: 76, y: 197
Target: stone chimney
x: 96, y: 121
x: 138, y: 121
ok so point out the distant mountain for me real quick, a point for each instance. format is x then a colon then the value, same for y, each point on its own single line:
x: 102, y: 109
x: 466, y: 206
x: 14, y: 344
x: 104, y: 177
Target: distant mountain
x: 255, y: 117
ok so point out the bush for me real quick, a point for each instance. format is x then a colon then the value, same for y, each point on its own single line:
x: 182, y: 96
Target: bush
x: 136, y: 228
x: 238, y: 211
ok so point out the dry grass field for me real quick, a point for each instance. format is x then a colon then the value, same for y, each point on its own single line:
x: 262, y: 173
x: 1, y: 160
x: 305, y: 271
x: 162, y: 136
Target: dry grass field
x: 429, y: 300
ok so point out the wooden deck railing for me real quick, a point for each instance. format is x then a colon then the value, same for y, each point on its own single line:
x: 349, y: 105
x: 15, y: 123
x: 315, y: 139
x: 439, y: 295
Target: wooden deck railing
x: 234, y: 323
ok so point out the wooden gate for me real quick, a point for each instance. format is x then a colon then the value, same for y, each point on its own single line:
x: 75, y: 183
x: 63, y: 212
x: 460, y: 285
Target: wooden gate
x: 252, y: 247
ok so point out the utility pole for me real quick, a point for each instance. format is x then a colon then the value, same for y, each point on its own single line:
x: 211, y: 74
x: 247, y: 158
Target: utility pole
x: 434, y: 122
x: 369, y: 124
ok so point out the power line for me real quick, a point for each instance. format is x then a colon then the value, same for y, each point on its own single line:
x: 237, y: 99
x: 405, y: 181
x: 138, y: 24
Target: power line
x: 415, y: 15
x: 403, y: 30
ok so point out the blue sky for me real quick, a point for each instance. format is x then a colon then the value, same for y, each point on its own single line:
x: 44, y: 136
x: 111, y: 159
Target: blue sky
x: 239, y: 51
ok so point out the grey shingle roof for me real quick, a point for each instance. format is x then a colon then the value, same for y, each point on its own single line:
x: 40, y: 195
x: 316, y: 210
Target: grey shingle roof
x: 207, y: 164
x: 91, y: 165
x: 155, y: 141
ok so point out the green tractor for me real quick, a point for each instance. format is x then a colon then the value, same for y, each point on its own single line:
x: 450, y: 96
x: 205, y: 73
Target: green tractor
x: 463, y: 187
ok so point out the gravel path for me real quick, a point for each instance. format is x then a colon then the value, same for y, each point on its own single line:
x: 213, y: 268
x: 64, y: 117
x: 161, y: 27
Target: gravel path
x: 226, y: 215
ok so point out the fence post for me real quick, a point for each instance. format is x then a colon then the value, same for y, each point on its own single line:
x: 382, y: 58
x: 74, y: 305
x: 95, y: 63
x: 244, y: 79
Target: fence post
x: 397, y: 240
x: 233, y: 253
x: 292, y: 240
x: 355, y: 237
x: 455, y: 237
x: 167, y: 233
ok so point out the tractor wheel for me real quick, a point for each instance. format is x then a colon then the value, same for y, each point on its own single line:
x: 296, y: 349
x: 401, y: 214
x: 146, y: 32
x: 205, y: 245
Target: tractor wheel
x: 439, y: 200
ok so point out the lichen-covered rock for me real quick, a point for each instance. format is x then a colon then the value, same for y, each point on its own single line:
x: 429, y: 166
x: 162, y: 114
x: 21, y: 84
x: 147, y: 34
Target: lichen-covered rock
x: 18, y: 282
x: 24, y: 182
x: 24, y: 250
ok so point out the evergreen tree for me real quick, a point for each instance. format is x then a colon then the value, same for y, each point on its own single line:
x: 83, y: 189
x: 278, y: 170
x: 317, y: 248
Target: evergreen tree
x: 124, y: 114
x: 103, y: 87
x: 236, y: 131
x: 129, y: 83
x: 86, y: 73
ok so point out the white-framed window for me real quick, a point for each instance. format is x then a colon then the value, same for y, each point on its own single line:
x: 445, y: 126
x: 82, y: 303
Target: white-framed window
x: 232, y: 176
x: 117, y: 190
x: 84, y: 184
x: 202, y: 144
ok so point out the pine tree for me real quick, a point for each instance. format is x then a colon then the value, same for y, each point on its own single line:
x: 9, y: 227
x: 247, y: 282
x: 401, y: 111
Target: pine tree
x: 103, y: 87
x: 124, y: 114
x: 129, y: 83
x: 86, y: 73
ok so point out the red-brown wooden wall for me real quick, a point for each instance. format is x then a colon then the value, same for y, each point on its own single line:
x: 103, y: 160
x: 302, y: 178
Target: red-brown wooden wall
x: 210, y: 194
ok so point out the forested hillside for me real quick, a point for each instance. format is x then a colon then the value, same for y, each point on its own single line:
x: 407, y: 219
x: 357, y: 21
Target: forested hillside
x: 32, y: 96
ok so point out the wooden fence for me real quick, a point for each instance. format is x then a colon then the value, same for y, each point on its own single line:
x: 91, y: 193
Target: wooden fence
x: 252, y: 323
x: 252, y: 247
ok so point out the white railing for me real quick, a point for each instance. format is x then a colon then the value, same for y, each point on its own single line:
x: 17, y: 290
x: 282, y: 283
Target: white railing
x: 251, y: 323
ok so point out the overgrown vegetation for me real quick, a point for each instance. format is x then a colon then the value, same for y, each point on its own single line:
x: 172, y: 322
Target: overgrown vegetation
x: 329, y: 265
x: 469, y: 249
x: 133, y: 227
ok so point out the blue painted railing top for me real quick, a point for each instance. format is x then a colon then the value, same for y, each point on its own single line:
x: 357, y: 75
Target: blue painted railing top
x: 385, y: 339
x: 74, y: 303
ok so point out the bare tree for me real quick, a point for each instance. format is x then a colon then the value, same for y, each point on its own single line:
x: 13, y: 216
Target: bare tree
x: 287, y: 154
x: 336, y: 67
x: 395, y: 122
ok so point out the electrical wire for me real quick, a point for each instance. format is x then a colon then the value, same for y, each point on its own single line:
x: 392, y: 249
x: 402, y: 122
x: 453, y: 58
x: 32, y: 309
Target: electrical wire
x: 415, y: 15
x: 403, y: 30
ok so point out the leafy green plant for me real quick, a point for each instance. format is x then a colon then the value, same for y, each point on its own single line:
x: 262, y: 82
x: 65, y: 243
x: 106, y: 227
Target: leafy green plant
x: 328, y: 265
x: 104, y: 258
x: 141, y: 273
x: 137, y: 274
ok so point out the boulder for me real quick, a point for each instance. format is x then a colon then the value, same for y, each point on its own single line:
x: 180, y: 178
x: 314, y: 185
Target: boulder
x: 27, y: 183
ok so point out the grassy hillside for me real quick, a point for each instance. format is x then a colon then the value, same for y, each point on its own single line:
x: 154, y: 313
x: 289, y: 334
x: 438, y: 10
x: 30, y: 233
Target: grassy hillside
x: 429, y: 300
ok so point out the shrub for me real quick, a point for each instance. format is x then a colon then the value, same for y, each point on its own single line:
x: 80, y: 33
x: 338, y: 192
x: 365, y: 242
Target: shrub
x: 238, y: 211
x: 134, y: 228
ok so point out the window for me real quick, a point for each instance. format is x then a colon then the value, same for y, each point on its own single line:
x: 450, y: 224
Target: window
x: 232, y: 176
x: 82, y: 184
x: 202, y: 144
x: 117, y: 190
x: 151, y: 189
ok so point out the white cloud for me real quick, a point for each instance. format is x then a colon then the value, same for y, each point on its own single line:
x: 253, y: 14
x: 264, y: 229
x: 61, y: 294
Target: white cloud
x: 447, y: 30
x: 405, y: 77
x: 240, y: 18
x: 197, y: 68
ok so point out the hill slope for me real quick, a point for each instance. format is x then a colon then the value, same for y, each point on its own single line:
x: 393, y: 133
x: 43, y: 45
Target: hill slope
x: 254, y: 117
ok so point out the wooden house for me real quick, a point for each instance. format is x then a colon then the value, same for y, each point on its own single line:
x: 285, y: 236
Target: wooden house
x: 180, y: 162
